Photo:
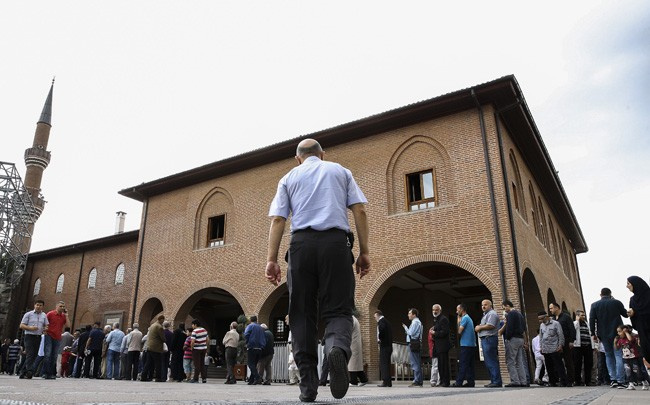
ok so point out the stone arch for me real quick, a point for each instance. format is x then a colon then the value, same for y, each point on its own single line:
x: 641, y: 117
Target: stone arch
x: 532, y: 299
x: 379, y: 287
x: 150, y: 309
x: 398, y: 167
x: 550, y: 297
x: 214, y: 306
x: 274, y: 307
x: 217, y: 201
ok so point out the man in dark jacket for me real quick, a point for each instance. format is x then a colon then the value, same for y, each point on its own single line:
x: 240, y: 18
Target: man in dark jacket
x: 176, y: 350
x: 604, y: 316
x: 439, y: 347
x: 569, y: 331
x: 514, y: 342
x: 385, y: 340
x: 265, y: 363
x: 255, y: 342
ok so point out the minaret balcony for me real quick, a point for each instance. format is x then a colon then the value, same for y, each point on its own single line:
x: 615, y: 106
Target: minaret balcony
x: 37, y: 157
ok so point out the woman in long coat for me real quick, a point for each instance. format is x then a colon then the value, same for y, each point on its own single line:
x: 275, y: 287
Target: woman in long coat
x: 639, y: 311
x: 355, y: 365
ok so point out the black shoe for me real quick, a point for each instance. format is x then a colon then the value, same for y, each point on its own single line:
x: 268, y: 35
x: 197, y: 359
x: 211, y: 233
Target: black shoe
x: 512, y: 385
x: 258, y: 382
x: 491, y: 385
x: 304, y: 398
x: 383, y: 385
x: 339, y: 376
x: 322, y: 384
x: 468, y: 385
x: 456, y: 385
x: 266, y: 383
x: 446, y: 385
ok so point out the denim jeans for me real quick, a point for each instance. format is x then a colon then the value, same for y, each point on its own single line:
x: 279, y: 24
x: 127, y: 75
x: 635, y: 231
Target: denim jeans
x: 50, y: 349
x: 112, y: 364
x: 491, y: 356
x: 614, y: 359
x: 466, y: 365
x: 416, y: 366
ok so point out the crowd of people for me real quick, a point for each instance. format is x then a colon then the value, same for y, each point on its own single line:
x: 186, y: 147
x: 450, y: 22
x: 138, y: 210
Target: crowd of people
x: 563, y: 348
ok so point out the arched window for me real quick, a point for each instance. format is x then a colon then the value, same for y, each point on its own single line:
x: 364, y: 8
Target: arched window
x: 119, y: 274
x: 551, y: 228
x: 37, y: 286
x: 543, y: 227
x: 59, y: 284
x: 517, y: 187
x: 92, y: 278
x: 533, y: 211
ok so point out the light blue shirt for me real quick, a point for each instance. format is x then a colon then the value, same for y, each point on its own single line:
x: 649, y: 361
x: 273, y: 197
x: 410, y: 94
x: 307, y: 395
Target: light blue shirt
x: 114, y: 340
x: 317, y: 195
x: 414, y: 331
x: 32, y: 318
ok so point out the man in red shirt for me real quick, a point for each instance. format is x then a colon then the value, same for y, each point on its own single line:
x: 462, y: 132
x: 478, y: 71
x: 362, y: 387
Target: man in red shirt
x: 58, y: 320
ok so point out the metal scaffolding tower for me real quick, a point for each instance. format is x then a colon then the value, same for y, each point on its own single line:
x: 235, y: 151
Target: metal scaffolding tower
x: 17, y: 218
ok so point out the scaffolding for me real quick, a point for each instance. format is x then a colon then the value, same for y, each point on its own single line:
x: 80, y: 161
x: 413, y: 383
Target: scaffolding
x: 17, y: 217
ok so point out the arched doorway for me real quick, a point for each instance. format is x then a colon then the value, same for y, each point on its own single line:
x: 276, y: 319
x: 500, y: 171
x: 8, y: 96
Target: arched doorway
x: 151, y: 308
x: 273, y: 311
x: 214, y: 307
x: 423, y: 284
x: 533, y: 300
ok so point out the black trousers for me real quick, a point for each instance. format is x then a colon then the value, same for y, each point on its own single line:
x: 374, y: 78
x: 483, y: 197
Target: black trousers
x: 443, y: 367
x: 555, y: 368
x: 384, y: 364
x: 32, y: 343
x: 231, y: 359
x: 321, y: 283
x: 132, y: 363
x: 177, y: 366
x: 567, y: 355
x: 152, y: 366
x: 94, y: 357
x: 583, y: 354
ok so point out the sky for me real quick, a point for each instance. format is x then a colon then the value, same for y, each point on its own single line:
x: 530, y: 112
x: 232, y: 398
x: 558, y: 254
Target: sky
x: 148, y: 89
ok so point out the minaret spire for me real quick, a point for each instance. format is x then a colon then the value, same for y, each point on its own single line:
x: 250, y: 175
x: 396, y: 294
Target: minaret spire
x: 46, y: 114
x: 37, y: 158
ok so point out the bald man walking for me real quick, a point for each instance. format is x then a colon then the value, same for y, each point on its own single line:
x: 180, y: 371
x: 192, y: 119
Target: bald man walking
x: 317, y: 195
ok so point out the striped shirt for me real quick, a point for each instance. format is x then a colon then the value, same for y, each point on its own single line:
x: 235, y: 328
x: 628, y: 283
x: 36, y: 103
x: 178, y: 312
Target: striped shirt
x: 13, y: 352
x: 200, y: 338
x: 187, y: 348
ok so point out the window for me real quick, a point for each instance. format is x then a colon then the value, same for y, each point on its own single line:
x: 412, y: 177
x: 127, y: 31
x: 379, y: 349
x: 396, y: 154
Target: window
x: 92, y: 278
x: 37, y: 286
x: 216, y: 230
x: 515, y: 196
x: 556, y: 253
x: 533, y: 212
x: 421, y: 190
x: 59, y: 284
x: 119, y: 274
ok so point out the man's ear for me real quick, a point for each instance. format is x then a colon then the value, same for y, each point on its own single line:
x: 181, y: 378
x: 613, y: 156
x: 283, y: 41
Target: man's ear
x: 298, y: 159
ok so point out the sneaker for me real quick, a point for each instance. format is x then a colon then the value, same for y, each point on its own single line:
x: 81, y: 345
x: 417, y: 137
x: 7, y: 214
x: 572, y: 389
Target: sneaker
x: 613, y: 384
x: 630, y: 386
x: 415, y: 385
x: 361, y: 384
x: 621, y: 386
x: 339, y: 376
x: 645, y: 386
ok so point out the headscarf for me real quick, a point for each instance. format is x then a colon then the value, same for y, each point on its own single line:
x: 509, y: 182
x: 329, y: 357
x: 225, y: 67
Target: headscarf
x: 640, y: 301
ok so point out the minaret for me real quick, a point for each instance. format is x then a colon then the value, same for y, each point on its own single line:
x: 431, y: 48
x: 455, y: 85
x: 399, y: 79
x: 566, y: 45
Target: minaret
x: 37, y: 158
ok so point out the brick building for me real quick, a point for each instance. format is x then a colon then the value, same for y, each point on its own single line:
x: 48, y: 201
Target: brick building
x: 464, y: 204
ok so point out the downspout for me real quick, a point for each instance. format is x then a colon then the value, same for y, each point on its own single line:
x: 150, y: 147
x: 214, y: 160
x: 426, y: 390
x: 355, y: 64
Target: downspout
x: 140, y: 248
x: 506, y: 182
x: 76, y: 299
x: 495, y: 221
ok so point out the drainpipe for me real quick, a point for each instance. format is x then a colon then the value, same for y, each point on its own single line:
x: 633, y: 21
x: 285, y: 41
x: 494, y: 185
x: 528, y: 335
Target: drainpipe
x: 76, y: 300
x: 140, y: 247
x: 495, y: 221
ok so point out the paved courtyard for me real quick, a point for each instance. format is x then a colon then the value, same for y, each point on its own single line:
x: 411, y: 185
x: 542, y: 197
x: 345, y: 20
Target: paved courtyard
x: 82, y: 391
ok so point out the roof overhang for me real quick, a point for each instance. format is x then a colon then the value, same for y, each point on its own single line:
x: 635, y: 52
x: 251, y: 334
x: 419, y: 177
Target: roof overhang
x: 504, y: 94
x: 113, y: 240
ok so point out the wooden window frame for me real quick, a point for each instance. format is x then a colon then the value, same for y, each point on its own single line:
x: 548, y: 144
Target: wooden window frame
x: 219, y: 241
x: 434, y: 199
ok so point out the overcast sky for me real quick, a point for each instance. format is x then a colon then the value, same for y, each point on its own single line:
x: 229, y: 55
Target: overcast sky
x: 147, y: 89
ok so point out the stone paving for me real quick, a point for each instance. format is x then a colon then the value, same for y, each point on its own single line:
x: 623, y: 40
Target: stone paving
x: 14, y: 391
